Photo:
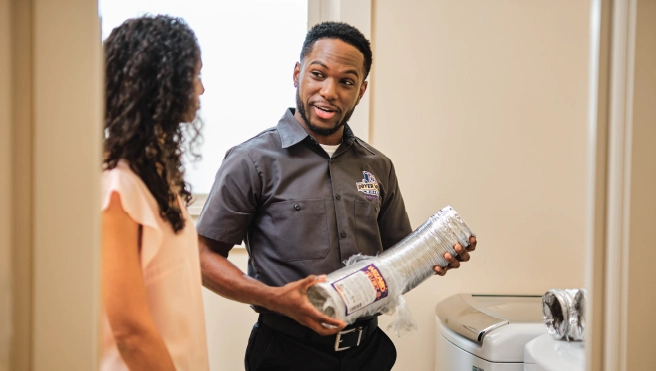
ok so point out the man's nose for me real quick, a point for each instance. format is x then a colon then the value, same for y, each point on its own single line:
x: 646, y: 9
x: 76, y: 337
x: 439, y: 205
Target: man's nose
x: 329, y: 90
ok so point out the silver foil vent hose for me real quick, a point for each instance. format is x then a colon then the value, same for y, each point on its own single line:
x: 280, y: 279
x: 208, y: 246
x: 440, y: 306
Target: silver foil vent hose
x: 371, y: 285
x: 563, y: 312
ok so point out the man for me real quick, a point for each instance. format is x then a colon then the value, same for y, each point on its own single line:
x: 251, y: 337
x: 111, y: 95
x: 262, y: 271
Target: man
x: 305, y: 196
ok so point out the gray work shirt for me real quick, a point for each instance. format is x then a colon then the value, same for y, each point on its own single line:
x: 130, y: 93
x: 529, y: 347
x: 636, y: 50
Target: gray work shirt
x: 299, y: 211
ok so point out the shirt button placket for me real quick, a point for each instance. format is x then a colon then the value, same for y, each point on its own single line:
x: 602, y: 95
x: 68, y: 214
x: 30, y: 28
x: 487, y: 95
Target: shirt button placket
x: 339, y: 201
x: 342, y: 233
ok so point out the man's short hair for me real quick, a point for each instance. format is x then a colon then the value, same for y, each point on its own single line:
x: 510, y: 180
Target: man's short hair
x: 341, y: 31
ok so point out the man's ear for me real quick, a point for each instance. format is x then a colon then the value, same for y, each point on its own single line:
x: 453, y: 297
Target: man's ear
x: 297, y: 73
x: 363, y: 88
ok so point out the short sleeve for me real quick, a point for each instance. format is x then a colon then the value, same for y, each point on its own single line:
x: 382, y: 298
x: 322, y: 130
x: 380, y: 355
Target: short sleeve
x: 137, y: 201
x: 233, y: 199
x: 393, y: 221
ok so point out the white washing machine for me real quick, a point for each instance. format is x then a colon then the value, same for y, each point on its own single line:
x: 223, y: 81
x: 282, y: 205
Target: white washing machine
x: 486, y: 332
x: 546, y: 354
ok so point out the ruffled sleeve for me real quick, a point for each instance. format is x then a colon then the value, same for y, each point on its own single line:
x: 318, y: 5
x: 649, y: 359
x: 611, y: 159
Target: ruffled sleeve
x: 138, y: 202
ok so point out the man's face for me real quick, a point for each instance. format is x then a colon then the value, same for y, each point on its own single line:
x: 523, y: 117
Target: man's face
x: 329, y: 84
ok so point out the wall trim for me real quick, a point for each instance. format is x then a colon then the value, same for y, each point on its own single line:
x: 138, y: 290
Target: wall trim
x: 6, y: 270
x: 599, y: 86
x: 66, y: 152
x: 619, y: 185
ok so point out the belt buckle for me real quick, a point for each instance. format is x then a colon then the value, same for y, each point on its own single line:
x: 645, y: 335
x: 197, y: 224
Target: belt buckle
x: 339, y: 336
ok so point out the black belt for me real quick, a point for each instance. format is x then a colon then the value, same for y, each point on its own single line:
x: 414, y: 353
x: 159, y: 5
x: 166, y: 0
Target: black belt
x: 351, y: 336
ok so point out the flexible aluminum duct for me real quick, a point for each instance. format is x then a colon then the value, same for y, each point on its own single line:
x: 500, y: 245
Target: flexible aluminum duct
x: 563, y: 312
x: 555, y: 309
x: 371, y: 285
x: 577, y: 316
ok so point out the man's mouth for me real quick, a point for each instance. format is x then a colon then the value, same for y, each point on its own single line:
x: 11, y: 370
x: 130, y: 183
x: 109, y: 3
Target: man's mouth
x: 324, y: 112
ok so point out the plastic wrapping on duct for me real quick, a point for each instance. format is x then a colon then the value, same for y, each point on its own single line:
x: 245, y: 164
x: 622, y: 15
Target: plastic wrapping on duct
x: 370, y: 285
x: 563, y: 312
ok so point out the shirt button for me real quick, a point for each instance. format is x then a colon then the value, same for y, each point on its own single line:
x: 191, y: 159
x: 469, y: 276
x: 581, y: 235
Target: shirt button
x: 343, y: 234
x: 297, y: 207
x: 339, y: 197
x: 375, y: 209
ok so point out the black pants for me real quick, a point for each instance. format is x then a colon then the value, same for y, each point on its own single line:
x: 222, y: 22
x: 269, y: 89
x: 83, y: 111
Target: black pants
x: 270, y: 350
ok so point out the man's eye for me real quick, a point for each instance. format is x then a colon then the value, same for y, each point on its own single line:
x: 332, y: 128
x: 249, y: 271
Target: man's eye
x: 349, y: 82
x: 317, y: 74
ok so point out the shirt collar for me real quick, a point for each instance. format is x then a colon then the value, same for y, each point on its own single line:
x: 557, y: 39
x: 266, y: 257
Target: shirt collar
x: 291, y: 132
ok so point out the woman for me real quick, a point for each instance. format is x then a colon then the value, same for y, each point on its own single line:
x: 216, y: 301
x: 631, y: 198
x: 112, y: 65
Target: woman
x: 151, y: 282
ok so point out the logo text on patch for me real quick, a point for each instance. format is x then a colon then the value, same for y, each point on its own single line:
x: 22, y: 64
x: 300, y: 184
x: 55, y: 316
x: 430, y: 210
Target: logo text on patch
x: 369, y: 186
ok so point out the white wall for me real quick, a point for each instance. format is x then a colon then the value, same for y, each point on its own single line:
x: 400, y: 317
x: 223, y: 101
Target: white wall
x: 483, y: 106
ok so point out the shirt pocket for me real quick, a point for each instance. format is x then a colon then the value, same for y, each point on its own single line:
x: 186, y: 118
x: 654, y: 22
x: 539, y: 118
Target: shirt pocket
x: 301, y: 229
x: 367, y: 234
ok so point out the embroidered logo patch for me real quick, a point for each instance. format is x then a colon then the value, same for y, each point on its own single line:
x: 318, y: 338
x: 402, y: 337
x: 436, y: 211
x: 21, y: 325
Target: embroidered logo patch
x: 368, y: 185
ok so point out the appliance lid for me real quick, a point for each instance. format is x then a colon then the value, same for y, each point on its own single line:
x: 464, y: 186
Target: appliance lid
x: 474, y: 316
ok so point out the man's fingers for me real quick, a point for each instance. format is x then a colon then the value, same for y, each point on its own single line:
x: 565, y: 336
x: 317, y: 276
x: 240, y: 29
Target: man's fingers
x: 334, y: 322
x: 463, y: 255
x: 440, y: 271
x: 320, y: 322
x: 311, y: 280
x: 472, y: 243
x: 324, y: 330
x: 325, y: 325
x: 453, y: 262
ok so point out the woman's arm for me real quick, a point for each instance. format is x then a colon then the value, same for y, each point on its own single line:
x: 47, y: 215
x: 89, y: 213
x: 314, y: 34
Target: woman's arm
x: 124, y: 293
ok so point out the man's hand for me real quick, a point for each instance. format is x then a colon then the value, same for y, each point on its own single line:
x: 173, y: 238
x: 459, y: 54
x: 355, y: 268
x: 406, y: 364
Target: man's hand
x: 292, y: 301
x: 454, y: 261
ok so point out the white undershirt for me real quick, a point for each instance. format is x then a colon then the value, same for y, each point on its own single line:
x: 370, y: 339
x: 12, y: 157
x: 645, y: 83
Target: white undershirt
x: 330, y: 150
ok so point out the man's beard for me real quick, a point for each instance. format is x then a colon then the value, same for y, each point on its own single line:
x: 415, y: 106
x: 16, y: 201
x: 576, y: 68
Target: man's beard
x: 314, y: 128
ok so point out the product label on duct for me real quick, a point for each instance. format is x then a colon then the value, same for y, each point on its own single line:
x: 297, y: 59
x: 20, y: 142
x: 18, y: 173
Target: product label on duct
x: 362, y: 288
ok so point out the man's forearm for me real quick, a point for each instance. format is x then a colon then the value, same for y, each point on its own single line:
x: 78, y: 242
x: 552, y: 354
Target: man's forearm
x: 227, y: 280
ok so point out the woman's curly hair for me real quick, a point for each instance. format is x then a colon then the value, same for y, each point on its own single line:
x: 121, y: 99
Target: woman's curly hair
x: 151, y: 65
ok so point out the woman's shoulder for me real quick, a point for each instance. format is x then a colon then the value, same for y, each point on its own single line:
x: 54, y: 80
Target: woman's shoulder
x: 122, y: 179
x: 121, y: 169
x: 134, y: 194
